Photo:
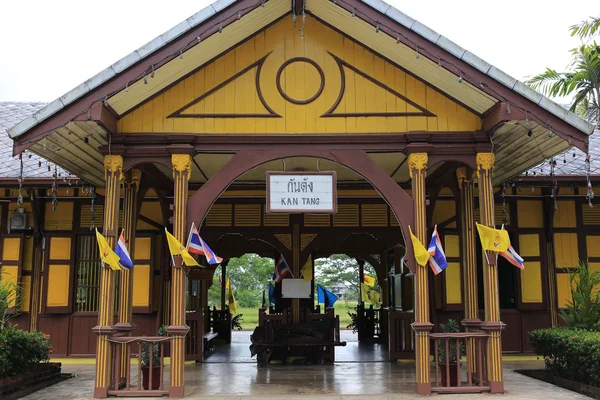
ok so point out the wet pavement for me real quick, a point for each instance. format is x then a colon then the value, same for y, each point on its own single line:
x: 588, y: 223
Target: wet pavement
x: 223, y: 379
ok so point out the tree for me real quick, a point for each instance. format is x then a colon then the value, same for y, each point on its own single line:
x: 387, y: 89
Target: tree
x: 340, y: 268
x: 249, y: 276
x: 582, y: 80
x: 586, y: 29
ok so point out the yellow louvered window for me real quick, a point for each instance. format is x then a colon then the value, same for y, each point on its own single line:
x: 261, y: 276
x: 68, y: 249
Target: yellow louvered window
x: 347, y: 215
x: 219, y: 215
x: 247, y: 214
x: 374, y: 215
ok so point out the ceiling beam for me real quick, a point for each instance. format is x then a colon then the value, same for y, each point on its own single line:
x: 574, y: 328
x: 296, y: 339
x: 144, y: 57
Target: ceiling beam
x: 104, y: 116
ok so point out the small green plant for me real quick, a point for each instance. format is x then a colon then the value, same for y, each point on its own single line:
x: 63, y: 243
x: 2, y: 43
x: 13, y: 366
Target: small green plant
x: 236, y: 322
x: 354, y: 321
x: 449, y: 327
x: 583, y: 311
x: 569, y: 353
x: 9, y: 299
x: 21, y: 351
x: 155, y: 350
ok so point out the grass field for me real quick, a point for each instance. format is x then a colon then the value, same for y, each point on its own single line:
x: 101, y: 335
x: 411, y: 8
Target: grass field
x: 250, y: 315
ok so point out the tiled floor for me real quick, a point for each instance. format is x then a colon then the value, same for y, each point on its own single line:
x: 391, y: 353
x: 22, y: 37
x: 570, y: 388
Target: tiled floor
x: 222, y: 379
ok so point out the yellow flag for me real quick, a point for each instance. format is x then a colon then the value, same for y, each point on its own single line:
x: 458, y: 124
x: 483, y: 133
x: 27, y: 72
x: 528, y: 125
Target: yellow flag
x: 306, y: 270
x: 369, y: 280
x: 176, y: 249
x: 493, y: 239
x: 420, y: 251
x: 369, y: 294
x: 232, y: 306
x: 107, y: 255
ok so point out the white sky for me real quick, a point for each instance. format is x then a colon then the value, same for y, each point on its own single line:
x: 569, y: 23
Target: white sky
x: 49, y: 47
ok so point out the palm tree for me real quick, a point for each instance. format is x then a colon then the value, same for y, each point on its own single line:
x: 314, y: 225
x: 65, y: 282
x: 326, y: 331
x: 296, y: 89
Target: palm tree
x: 586, y: 29
x: 582, y: 80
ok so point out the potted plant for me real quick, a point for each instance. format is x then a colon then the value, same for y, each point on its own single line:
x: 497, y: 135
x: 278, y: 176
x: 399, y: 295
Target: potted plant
x: 236, y: 322
x: 449, y: 360
x: 152, y: 350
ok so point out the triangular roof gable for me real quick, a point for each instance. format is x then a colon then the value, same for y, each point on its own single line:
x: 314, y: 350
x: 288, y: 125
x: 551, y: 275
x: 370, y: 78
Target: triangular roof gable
x: 323, y: 82
x: 385, y: 25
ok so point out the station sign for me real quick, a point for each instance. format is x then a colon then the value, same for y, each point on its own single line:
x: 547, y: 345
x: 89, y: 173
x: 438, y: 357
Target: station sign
x: 302, y: 192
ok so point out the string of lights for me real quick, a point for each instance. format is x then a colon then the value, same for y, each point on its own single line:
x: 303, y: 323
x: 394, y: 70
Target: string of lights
x: 380, y: 26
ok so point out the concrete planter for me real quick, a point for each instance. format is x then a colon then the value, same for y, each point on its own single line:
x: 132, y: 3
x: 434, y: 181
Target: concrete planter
x: 14, y: 387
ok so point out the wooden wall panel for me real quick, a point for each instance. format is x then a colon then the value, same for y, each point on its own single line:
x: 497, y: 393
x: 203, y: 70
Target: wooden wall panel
x: 377, y: 97
x: 83, y: 340
x: 566, y: 250
x: 531, y: 321
x: 512, y: 339
x: 57, y: 326
x: 564, y: 216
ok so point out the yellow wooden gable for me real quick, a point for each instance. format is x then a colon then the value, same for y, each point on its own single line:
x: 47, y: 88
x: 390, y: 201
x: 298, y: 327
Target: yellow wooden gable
x: 282, y: 83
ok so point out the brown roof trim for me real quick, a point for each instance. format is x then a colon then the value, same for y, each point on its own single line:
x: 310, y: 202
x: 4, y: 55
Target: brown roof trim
x: 131, y: 74
x: 490, y: 85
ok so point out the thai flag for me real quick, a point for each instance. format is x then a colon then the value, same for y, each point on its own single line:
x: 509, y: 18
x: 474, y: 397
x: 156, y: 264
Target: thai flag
x: 123, y: 253
x: 210, y: 255
x: 281, y: 270
x: 513, y: 258
x: 194, y: 244
x: 438, y: 257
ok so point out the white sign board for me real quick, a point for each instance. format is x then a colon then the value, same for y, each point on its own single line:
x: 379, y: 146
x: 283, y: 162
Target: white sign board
x: 295, y: 289
x: 301, y: 192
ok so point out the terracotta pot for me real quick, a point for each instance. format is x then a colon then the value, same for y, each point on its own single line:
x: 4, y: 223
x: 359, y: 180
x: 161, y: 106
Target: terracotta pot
x: 155, y: 377
x: 453, y: 375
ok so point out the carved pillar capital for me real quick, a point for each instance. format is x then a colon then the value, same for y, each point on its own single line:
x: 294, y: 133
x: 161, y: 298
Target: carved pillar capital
x: 135, y: 178
x: 485, y: 161
x: 463, y: 176
x: 113, y: 164
x: 182, y: 163
x: 417, y: 162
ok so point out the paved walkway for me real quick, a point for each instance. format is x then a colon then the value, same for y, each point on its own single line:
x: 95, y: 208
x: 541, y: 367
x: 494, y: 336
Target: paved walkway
x: 356, y: 381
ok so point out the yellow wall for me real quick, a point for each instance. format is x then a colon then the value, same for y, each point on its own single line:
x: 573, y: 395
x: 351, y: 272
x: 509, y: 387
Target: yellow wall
x: 564, y: 216
x: 531, y: 283
x: 299, y: 80
x: 58, y: 285
x: 453, y: 283
x: 529, y: 214
x: 444, y: 210
x: 141, y: 285
x: 565, y: 250
x: 10, y: 273
x: 11, y: 250
x: 563, y: 285
x: 593, y: 246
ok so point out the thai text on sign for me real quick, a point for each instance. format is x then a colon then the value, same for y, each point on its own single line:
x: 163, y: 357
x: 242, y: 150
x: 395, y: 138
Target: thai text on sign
x: 301, y: 192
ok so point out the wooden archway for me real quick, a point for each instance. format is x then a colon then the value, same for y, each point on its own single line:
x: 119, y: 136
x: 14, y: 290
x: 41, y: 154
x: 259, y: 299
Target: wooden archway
x: 356, y: 160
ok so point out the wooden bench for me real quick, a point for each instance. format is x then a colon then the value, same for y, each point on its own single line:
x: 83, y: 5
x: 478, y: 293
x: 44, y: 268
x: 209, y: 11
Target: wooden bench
x: 208, y: 338
x: 318, y: 337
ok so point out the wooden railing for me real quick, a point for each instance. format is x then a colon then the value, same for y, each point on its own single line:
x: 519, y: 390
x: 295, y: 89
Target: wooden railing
x: 402, y: 338
x: 276, y: 319
x: 137, y: 383
x: 467, y: 377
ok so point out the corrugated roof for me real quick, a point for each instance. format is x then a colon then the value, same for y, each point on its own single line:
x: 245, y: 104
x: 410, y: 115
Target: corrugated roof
x: 572, y: 162
x: 381, y: 6
x: 10, y: 114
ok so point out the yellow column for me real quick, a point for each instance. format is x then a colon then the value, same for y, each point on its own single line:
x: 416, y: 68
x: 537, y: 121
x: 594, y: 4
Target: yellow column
x: 182, y: 164
x: 469, y: 258
x: 417, y: 166
x: 125, y: 324
x: 492, y: 323
x: 296, y: 269
x: 113, y: 167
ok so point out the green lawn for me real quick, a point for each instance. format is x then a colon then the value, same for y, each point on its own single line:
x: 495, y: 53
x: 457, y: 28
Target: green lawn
x: 250, y: 315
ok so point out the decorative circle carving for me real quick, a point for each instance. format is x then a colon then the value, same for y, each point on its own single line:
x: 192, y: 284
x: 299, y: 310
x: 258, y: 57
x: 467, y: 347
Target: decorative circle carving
x: 306, y: 60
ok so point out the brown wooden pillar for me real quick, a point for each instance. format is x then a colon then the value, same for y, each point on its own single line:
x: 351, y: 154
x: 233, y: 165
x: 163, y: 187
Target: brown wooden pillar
x: 548, y: 204
x: 38, y: 208
x: 113, y: 167
x: 492, y: 323
x: 130, y: 204
x: 296, y: 263
x: 471, y: 320
x: 417, y: 166
x: 182, y: 164
x: 223, y: 284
